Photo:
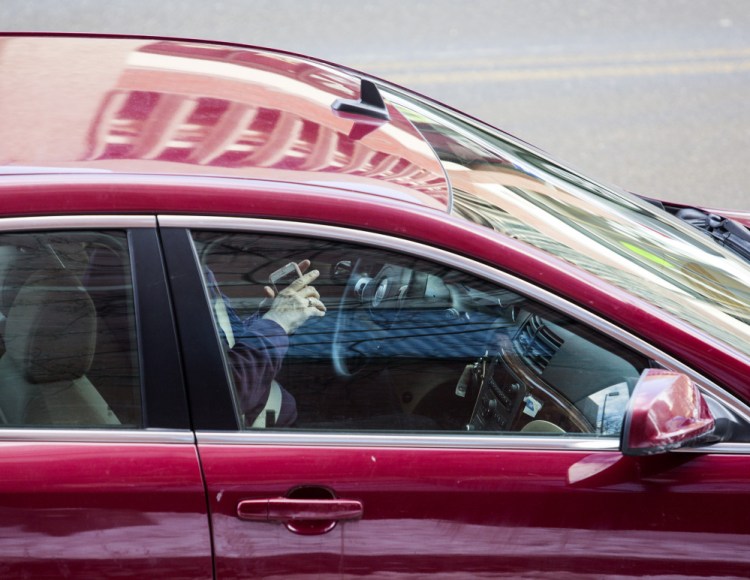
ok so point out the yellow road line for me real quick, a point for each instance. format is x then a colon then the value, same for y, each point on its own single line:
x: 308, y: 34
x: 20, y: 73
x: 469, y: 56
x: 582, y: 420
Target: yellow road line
x: 504, y: 69
x: 554, y: 59
x: 595, y: 71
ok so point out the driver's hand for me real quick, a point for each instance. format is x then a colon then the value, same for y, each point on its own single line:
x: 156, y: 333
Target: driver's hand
x: 297, y: 302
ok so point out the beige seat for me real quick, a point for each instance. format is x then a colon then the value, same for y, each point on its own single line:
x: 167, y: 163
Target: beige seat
x: 540, y: 426
x: 50, y: 335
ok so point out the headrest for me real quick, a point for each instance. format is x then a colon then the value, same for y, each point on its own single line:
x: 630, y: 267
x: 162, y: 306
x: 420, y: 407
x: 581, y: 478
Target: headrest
x: 50, y: 331
x: 20, y: 263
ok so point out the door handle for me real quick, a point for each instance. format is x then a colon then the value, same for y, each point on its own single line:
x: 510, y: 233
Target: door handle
x: 301, y: 516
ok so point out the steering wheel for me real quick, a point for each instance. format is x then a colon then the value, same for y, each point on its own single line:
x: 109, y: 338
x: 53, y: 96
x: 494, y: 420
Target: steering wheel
x: 372, y: 310
x: 368, y: 308
x: 342, y: 356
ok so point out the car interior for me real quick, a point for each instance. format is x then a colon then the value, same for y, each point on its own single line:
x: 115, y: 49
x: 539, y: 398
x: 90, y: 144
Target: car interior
x: 68, y: 331
x: 409, y: 345
x: 406, y: 344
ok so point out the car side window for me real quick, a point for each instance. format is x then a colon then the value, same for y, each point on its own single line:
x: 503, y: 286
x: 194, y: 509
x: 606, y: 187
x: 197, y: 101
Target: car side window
x: 67, y: 331
x: 390, y: 342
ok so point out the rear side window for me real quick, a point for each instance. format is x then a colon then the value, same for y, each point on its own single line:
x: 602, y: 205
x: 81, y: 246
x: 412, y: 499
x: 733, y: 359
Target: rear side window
x: 67, y: 326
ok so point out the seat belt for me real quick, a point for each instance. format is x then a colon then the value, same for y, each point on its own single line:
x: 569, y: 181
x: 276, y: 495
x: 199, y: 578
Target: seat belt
x: 271, y: 410
x: 222, y: 319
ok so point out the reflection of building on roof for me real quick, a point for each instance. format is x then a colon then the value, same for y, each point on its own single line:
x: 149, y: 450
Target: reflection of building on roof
x: 218, y: 132
x: 170, y: 107
x: 265, y: 117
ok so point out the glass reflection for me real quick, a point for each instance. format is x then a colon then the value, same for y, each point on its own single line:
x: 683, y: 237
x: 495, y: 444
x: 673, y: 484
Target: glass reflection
x: 247, y: 110
x: 616, y: 236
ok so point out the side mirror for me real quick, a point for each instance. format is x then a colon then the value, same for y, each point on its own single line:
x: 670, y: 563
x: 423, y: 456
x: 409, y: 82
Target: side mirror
x: 666, y: 411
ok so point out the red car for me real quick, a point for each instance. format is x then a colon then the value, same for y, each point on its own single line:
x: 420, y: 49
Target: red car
x: 267, y: 317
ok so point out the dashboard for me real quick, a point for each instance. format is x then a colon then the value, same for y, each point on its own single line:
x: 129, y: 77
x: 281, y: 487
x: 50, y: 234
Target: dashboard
x: 520, y: 366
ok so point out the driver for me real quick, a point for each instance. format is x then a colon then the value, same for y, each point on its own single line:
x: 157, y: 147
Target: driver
x: 257, y: 345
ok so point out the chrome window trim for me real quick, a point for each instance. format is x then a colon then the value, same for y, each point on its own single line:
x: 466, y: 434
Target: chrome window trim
x: 466, y: 264
x: 729, y: 448
x: 406, y: 440
x: 68, y: 222
x: 111, y: 436
x: 500, y: 442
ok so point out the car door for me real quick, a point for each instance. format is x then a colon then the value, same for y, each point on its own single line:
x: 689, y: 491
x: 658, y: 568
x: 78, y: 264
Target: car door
x: 100, y: 475
x: 445, y: 419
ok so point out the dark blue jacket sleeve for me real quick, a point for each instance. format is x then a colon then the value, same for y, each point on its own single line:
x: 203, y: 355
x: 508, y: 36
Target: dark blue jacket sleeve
x: 255, y: 359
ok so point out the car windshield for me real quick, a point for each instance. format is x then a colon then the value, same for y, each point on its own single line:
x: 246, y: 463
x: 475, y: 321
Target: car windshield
x: 617, y: 236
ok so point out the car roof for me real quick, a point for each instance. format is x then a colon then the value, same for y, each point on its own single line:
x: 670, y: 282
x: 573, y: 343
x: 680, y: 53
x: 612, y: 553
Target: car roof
x: 84, y: 104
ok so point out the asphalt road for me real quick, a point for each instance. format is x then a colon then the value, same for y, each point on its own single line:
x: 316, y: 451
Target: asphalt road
x: 649, y: 94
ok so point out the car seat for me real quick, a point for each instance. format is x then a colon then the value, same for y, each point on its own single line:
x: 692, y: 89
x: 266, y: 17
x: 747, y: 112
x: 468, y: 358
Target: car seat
x: 50, y: 335
x: 114, y: 368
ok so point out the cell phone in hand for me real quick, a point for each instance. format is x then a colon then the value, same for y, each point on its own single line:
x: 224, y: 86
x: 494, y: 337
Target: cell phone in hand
x: 284, y: 276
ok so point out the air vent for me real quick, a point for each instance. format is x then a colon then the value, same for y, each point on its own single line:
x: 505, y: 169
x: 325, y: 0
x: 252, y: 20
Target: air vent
x: 536, y: 344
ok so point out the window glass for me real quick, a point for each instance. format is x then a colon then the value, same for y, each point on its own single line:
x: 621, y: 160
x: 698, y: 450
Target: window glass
x: 68, y: 331
x: 616, y: 236
x: 384, y: 341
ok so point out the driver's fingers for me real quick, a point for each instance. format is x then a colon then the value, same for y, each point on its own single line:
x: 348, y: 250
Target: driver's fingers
x: 304, y: 265
x: 269, y: 292
x: 309, y: 292
x: 318, y: 308
x: 317, y: 304
x: 300, y: 283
